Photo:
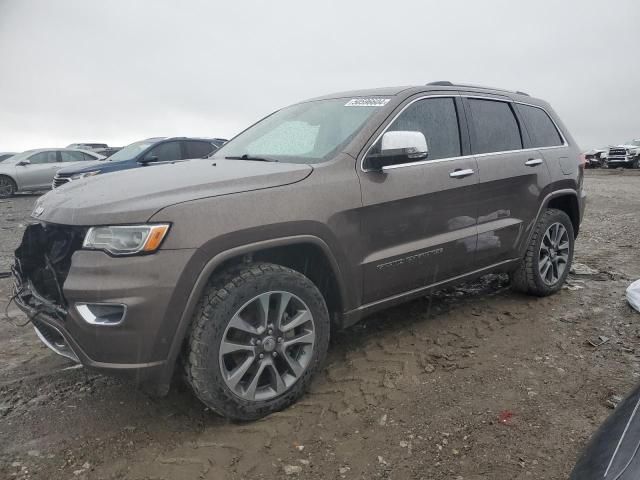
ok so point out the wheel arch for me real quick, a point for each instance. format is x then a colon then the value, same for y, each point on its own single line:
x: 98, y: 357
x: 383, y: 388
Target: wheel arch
x: 319, y: 260
x: 568, y: 203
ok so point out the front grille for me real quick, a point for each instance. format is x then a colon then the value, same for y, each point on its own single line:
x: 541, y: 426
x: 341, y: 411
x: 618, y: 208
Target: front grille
x: 61, y: 179
x: 618, y: 152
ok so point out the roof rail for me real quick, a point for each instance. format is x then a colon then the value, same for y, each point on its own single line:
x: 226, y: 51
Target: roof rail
x: 446, y: 83
x: 441, y: 83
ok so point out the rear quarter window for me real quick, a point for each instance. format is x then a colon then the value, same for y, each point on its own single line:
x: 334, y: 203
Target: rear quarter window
x: 542, y: 131
x: 495, y: 128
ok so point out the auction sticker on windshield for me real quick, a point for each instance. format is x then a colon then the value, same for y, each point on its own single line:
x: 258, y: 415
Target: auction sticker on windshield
x: 367, y: 102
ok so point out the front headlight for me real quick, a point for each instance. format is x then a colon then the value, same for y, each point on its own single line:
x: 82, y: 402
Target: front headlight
x: 126, y: 239
x: 78, y: 176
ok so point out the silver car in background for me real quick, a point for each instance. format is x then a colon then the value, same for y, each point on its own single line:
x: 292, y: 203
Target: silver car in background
x: 35, y: 169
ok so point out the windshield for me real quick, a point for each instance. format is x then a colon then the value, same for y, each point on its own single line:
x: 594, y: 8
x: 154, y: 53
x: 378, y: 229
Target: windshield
x: 634, y: 142
x: 130, y: 151
x: 304, y: 133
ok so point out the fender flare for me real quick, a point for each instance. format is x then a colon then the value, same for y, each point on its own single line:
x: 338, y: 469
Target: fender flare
x: 213, y: 263
x: 545, y: 203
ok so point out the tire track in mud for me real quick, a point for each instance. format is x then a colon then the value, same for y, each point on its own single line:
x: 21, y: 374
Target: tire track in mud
x: 372, y: 368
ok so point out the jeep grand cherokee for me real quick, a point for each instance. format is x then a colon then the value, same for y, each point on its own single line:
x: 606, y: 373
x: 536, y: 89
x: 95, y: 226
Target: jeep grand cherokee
x: 237, y: 268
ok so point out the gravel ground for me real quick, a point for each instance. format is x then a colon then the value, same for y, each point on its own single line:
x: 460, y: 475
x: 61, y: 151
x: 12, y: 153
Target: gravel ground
x: 470, y: 383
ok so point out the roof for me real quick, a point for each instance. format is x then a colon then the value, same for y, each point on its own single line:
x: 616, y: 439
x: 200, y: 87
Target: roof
x: 434, y: 86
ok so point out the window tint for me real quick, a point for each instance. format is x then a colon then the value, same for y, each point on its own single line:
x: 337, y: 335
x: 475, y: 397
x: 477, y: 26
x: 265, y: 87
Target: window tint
x: 495, y: 126
x: 166, y: 152
x: 437, y: 119
x: 71, y: 156
x: 541, y: 129
x: 88, y: 157
x: 198, y: 149
x: 43, y: 157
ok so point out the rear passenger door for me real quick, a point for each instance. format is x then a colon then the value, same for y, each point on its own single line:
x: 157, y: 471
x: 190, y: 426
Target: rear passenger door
x: 197, y: 149
x: 512, y: 178
x: 418, y: 220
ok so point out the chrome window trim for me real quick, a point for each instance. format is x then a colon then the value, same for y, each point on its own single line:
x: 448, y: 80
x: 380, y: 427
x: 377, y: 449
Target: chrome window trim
x: 462, y: 157
x: 508, y: 100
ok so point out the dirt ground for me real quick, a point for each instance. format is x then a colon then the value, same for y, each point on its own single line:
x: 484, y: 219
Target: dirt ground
x: 471, y: 383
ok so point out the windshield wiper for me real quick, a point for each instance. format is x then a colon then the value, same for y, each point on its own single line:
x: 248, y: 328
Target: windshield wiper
x: 249, y: 157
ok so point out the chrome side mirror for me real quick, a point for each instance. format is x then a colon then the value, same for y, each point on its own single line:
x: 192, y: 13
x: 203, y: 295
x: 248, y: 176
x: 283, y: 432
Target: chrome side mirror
x: 398, y: 147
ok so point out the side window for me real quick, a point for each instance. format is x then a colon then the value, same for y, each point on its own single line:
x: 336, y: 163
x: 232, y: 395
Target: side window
x: 437, y: 119
x: 541, y: 129
x: 495, y: 127
x: 70, y: 156
x: 166, y: 152
x: 88, y: 157
x: 43, y: 157
x: 198, y: 149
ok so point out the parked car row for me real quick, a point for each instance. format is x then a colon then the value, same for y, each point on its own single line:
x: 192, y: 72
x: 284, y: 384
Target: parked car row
x: 625, y: 155
x: 45, y: 168
x: 152, y: 151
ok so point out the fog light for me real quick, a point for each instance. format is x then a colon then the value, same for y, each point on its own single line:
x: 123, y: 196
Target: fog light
x: 102, y: 313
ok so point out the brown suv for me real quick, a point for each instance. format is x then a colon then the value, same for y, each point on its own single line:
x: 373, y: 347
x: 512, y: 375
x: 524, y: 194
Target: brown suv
x: 238, y: 267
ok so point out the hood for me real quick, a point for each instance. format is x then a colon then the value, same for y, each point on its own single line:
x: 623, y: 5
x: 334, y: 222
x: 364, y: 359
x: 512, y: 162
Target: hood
x: 84, y: 167
x: 134, y: 195
x: 628, y: 147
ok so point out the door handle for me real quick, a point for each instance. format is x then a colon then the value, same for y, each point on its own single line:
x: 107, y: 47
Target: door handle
x: 532, y: 162
x: 459, y: 173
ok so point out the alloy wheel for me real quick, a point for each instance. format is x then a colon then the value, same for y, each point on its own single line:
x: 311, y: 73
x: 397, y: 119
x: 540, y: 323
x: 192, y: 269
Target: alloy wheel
x: 554, y: 252
x: 267, y: 346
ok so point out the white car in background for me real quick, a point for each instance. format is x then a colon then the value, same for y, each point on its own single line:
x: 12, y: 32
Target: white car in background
x: 34, y: 169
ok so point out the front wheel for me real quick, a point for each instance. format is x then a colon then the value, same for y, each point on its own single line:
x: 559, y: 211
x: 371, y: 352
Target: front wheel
x: 7, y: 187
x: 549, y: 254
x: 259, y: 335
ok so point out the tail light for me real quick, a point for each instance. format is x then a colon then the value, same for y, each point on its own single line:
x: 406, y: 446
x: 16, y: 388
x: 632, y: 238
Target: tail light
x: 582, y: 160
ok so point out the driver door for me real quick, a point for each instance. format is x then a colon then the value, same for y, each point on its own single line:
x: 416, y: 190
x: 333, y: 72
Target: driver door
x: 419, y: 218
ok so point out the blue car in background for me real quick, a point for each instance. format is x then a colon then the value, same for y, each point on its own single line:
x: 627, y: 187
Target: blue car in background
x: 142, y: 153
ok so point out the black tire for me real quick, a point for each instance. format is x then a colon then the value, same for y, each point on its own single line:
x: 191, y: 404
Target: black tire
x: 527, y: 278
x: 225, y: 295
x: 635, y: 164
x: 7, y: 187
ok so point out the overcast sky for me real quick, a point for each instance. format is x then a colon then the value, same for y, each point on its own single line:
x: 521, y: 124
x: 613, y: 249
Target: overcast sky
x: 118, y: 71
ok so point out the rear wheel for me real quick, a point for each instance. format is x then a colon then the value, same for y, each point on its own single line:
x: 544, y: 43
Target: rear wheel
x: 259, y: 335
x: 548, y: 258
x: 7, y: 187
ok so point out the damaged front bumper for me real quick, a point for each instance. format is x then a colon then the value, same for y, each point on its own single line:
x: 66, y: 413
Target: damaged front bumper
x: 57, y: 283
x: 37, y: 309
